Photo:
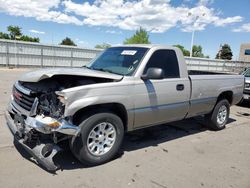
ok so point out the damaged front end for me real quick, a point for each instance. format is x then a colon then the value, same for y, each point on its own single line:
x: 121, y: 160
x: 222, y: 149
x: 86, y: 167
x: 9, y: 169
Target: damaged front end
x: 40, y: 136
x: 36, y: 113
x: 35, y: 117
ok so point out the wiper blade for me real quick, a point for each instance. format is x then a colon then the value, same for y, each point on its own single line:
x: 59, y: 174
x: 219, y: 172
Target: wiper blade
x: 85, y: 66
x: 104, y: 70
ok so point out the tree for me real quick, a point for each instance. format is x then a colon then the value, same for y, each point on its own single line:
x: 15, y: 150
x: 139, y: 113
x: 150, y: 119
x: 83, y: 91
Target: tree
x: 197, y: 52
x: 29, y: 39
x: 14, y: 31
x: 225, y: 52
x: 218, y: 55
x: 103, y: 45
x: 184, y: 51
x: 140, y: 37
x: 4, y: 36
x: 68, y: 41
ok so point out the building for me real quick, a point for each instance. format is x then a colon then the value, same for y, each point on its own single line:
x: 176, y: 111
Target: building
x: 244, y: 52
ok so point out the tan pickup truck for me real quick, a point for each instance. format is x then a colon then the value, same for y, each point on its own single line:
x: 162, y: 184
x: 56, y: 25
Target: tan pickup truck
x: 125, y: 88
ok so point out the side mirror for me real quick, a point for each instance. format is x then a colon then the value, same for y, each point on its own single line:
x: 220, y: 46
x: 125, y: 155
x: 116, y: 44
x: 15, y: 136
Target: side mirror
x: 153, y: 73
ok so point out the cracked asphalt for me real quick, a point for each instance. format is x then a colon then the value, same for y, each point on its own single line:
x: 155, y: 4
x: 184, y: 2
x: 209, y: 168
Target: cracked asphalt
x: 180, y: 154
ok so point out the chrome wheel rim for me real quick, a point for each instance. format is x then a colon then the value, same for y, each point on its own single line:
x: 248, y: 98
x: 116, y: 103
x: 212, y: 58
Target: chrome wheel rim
x: 222, y: 115
x: 101, y: 138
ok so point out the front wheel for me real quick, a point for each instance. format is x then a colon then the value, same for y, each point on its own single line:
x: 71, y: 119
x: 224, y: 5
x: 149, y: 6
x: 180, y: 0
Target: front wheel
x: 218, y: 118
x: 99, y: 139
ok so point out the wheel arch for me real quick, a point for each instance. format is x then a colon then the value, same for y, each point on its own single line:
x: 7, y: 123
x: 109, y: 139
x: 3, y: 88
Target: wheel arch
x: 228, y: 95
x: 116, y: 108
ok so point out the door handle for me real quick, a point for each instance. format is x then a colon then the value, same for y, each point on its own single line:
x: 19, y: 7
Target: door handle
x: 179, y: 87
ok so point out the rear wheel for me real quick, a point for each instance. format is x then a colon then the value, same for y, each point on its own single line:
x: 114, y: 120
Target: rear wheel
x: 99, y: 140
x: 218, y: 118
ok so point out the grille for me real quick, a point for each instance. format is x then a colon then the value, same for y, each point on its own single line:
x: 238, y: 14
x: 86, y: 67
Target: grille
x: 22, y: 99
x: 246, y: 91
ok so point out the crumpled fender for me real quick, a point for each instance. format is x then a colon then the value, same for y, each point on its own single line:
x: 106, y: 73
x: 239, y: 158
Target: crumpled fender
x: 73, y: 107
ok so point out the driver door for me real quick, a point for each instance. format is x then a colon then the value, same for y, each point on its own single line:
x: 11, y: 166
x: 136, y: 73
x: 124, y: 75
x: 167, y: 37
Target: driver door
x: 163, y: 100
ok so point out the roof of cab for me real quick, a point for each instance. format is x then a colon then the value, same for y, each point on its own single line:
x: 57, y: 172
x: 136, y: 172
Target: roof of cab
x: 146, y: 46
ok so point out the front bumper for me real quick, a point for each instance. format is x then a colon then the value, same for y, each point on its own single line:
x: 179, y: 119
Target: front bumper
x: 38, y: 124
x: 246, y: 94
x: 43, y: 153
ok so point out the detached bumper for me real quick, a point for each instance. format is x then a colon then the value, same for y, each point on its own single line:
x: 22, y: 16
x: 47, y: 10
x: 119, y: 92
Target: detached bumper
x: 43, y: 153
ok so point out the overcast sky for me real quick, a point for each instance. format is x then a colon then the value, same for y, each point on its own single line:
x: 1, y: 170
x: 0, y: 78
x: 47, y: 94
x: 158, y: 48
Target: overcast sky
x: 168, y: 21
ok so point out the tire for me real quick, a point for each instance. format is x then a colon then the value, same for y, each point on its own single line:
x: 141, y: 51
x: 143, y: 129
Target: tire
x: 216, y: 121
x: 89, y: 149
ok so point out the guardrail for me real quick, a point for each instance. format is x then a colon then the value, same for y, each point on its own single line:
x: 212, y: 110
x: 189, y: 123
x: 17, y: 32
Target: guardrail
x: 17, y: 53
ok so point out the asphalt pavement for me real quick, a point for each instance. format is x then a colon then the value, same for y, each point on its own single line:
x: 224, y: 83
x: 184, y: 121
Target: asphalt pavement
x: 176, y: 155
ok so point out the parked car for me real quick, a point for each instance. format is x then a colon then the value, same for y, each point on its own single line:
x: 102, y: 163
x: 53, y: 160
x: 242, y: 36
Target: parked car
x: 246, y: 92
x: 125, y: 88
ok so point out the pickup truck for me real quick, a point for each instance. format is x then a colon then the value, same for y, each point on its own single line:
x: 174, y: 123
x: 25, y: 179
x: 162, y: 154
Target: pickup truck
x: 246, y: 92
x: 125, y: 88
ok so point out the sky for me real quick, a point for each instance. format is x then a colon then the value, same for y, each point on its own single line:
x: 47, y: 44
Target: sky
x: 169, y: 22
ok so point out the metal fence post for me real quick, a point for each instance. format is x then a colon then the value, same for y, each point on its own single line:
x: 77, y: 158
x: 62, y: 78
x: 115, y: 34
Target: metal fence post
x: 233, y: 66
x: 7, y: 55
x: 71, y: 57
x: 41, y: 56
x: 224, y: 66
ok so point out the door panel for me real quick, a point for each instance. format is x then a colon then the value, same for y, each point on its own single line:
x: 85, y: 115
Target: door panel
x: 158, y: 101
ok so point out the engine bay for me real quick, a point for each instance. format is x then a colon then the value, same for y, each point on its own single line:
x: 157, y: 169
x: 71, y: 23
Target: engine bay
x: 44, y: 90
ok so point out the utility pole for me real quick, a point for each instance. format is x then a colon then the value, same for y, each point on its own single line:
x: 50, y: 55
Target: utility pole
x: 192, y: 43
x: 193, y: 32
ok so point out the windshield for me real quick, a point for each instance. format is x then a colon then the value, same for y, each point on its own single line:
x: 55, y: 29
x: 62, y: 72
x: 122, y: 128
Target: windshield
x: 247, y: 73
x: 119, y: 60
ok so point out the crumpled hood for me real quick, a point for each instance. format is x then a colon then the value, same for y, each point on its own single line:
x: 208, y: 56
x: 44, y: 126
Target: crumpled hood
x: 41, y: 74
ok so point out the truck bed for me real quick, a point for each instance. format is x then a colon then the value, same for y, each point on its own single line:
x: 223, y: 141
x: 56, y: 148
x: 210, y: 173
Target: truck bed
x: 198, y: 72
x: 207, y: 86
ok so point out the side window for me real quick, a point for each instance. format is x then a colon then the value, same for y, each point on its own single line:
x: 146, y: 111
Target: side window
x: 247, y: 52
x: 166, y: 60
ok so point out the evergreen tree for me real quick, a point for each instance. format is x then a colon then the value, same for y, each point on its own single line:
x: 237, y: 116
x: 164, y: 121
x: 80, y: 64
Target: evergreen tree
x: 67, y: 41
x: 225, y: 52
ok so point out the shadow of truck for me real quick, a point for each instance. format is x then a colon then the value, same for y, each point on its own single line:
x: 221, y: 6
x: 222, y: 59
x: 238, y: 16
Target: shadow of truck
x: 139, y: 139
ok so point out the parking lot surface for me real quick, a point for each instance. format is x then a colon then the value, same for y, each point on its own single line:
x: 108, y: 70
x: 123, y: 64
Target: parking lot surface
x: 180, y: 154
